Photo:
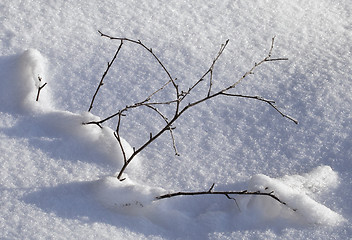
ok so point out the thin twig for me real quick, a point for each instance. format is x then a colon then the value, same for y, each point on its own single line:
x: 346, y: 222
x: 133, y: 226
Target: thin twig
x: 122, y: 148
x: 39, y: 88
x: 245, y: 192
x: 226, y: 194
x: 180, y: 97
x: 211, y: 188
x: 101, y: 83
x: 139, y: 42
x: 211, y: 69
x: 251, y: 71
x: 270, y: 102
x: 170, y: 128
x: 223, y: 46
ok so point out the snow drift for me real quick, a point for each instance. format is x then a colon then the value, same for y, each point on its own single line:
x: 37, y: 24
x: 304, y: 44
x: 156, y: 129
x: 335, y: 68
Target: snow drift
x: 23, y: 75
x: 133, y: 198
x: 297, y: 191
x: 57, y: 177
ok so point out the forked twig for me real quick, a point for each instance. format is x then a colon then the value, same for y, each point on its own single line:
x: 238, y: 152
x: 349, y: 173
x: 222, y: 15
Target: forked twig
x: 180, y: 97
x: 39, y: 88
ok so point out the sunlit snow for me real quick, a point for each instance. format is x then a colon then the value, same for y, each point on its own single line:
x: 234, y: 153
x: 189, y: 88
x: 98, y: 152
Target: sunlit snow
x: 58, y: 176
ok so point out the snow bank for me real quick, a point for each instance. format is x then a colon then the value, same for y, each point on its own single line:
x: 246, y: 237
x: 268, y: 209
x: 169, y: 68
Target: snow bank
x: 300, y: 192
x: 30, y: 75
x: 90, y: 139
x: 132, y: 198
x: 297, y: 191
x: 126, y: 196
x: 22, y: 75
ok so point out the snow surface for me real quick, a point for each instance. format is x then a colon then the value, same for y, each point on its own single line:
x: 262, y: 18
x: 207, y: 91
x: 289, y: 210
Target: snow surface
x: 58, y: 176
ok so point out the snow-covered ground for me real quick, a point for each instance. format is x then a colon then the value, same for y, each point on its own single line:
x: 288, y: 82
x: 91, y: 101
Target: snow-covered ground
x: 58, y: 177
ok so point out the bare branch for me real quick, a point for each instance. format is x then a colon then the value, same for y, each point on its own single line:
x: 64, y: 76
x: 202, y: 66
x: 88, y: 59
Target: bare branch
x: 170, y: 128
x: 211, y: 188
x: 180, y: 96
x: 138, y: 42
x: 251, y: 71
x: 225, y: 193
x: 270, y: 102
x: 151, y: 139
x: 122, y: 148
x: 222, y: 48
x: 39, y: 88
x: 271, y: 47
x: 161, y: 88
x: 210, y: 70
x: 276, y: 59
x: 102, y: 78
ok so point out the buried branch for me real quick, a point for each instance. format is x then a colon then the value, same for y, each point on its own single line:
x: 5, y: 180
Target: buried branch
x: 224, y: 193
x: 40, y: 88
x: 180, y: 105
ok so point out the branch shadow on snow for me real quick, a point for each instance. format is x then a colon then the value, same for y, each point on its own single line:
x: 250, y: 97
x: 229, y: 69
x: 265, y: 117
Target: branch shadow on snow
x: 8, y: 87
x: 75, y: 201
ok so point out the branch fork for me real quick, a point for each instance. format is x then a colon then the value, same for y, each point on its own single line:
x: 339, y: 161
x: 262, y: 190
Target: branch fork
x: 39, y: 88
x: 179, y: 97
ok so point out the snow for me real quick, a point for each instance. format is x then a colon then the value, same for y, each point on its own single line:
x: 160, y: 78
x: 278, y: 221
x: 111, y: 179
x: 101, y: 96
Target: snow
x: 294, y: 191
x: 58, y: 177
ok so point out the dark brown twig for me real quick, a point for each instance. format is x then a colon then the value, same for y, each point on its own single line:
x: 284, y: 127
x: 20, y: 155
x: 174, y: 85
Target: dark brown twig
x: 211, y: 188
x: 170, y: 128
x: 104, y: 74
x: 270, y: 102
x: 139, y: 42
x: 245, y: 192
x: 39, y: 88
x: 225, y: 193
x: 180, y: 97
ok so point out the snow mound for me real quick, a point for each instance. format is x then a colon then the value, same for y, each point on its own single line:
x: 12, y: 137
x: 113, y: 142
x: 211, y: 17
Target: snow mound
x: 89, y: 138
x: 316, y: 182
x: 30, y: 75
x: 22, y: 75
x: 297, y: 191
x: 126, y: 196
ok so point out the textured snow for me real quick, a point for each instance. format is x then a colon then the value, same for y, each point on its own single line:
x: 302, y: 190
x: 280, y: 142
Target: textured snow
x: 58, y: 177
